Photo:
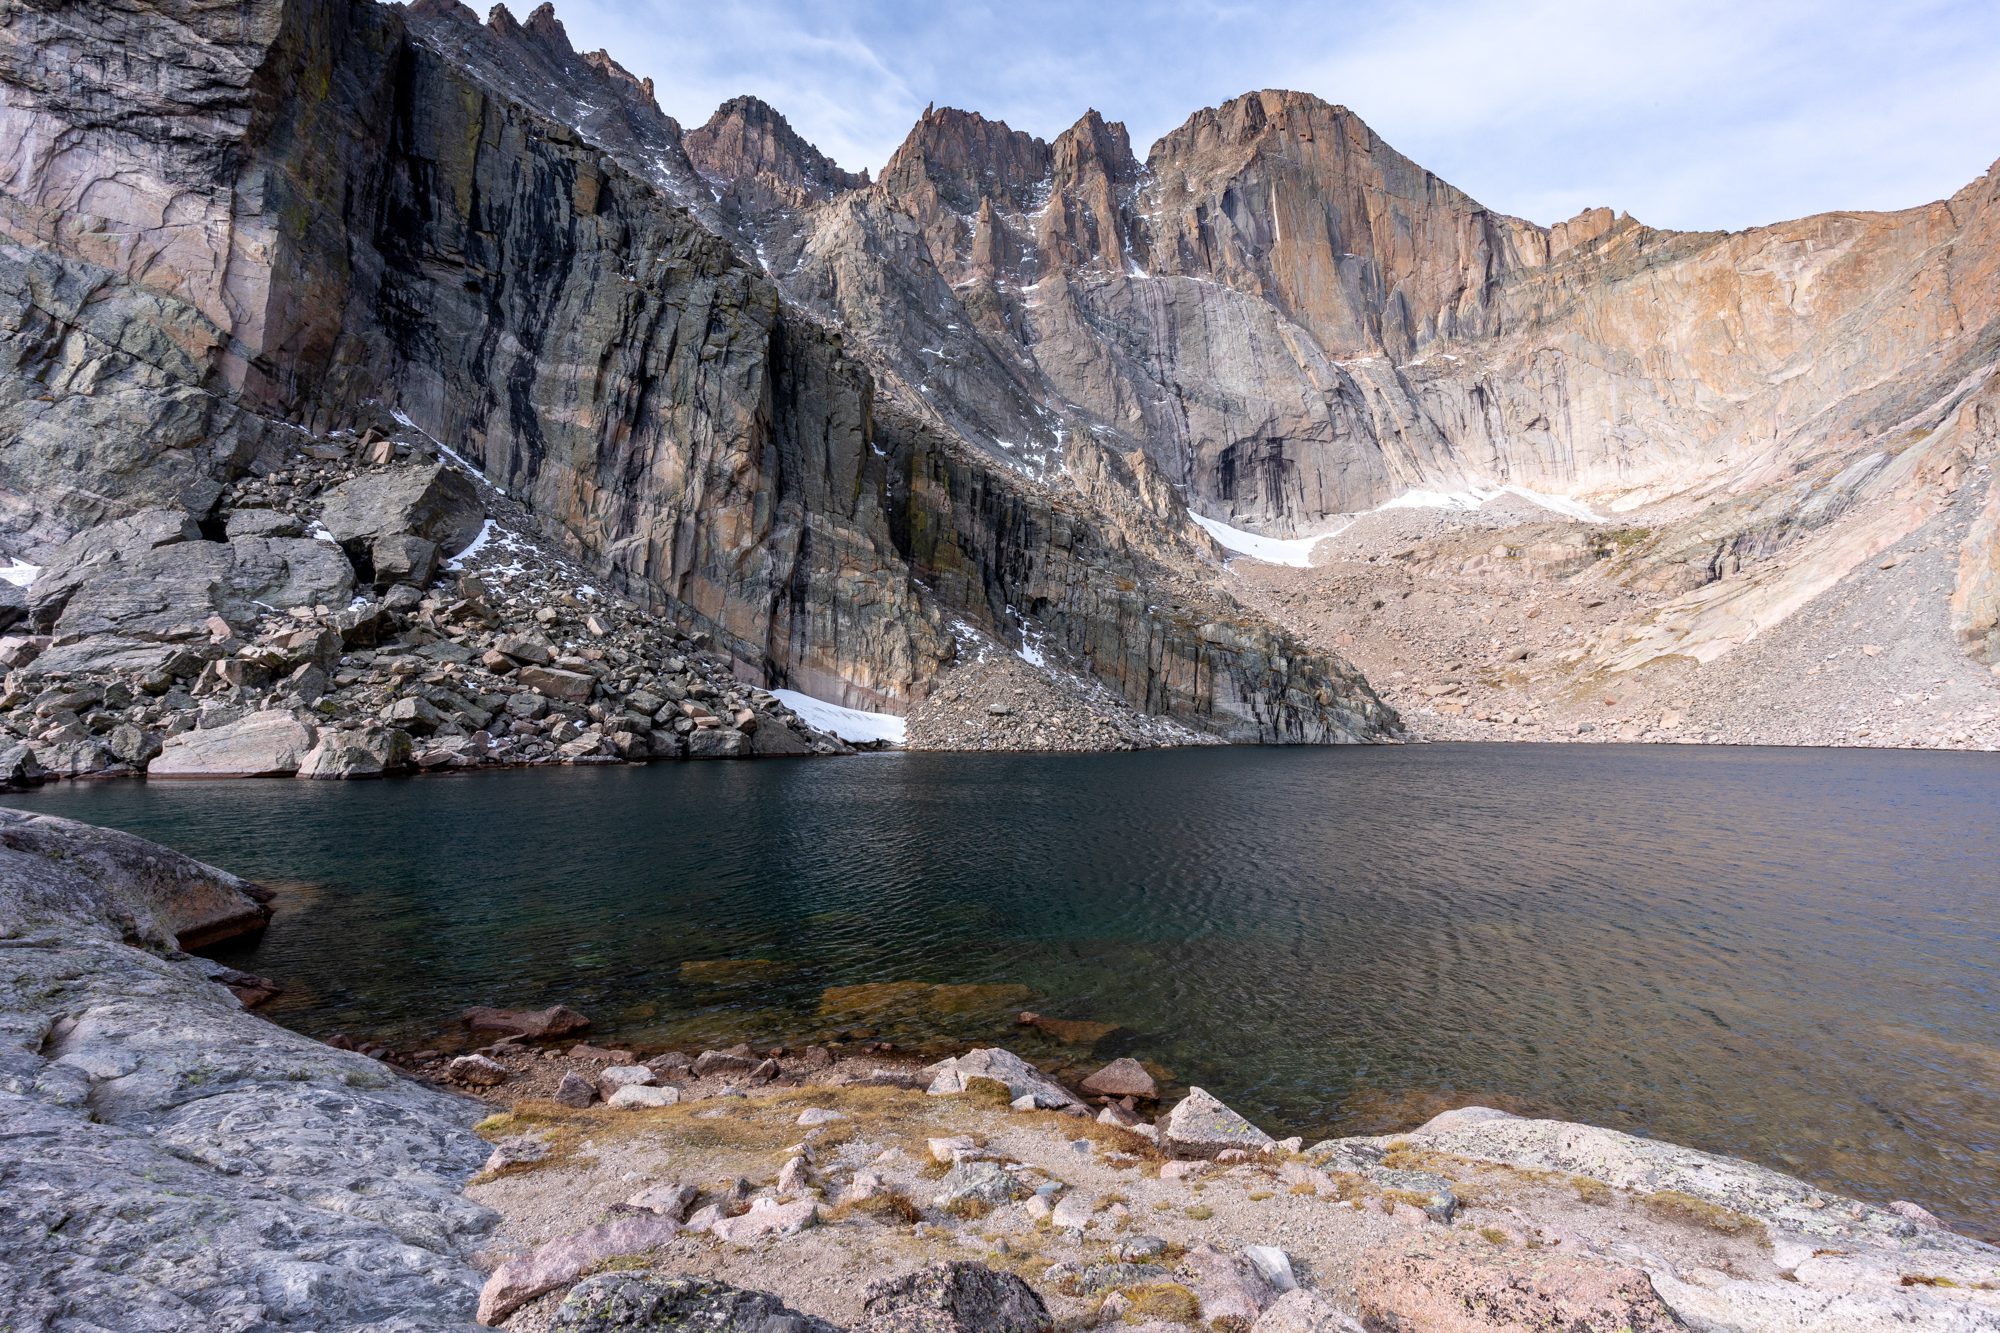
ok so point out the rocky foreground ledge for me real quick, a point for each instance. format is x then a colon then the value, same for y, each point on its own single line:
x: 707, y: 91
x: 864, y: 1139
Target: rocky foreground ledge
x: 170, y: 1161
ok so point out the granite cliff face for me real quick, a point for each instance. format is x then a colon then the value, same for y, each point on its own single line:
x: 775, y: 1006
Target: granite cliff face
x: 867, y: 430
x: 323, y: 216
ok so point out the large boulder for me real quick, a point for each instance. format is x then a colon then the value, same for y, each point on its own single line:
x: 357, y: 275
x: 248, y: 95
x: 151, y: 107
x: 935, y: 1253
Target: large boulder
x: 992, y: 1065
x: 433, y: 502
x: 649, y: 1302
x: 137, y: 611
x: 75, y: 560
x: 1201, y: 1126
x: 172, y: 1161
x: 262, y: 745
x: 356, y: 752
x: 561, y: 1262
x: 953, y: 1297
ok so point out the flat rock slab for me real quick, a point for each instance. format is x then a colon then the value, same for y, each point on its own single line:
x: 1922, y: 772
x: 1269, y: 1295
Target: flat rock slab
x: 767, y: 1217
x: 563, y: 1261
x: 262, y: 745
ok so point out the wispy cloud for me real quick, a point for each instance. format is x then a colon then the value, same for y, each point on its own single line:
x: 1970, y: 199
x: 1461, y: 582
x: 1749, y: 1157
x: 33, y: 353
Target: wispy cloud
x: 1687, y: 113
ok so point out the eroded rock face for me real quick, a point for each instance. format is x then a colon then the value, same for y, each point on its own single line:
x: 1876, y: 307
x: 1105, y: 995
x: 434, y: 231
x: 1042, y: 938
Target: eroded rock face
x: 169, y: 1155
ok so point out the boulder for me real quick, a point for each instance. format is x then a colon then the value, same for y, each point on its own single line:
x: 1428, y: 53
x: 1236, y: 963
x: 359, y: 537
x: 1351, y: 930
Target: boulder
x: 671, y: 1201
x: 1201, y: 1126
x: 1123, y: 1077
x: 643, y: 1302
x: 13, y: 604
x: 262, y: 745
x: 434, y: 502
x: 623, y: 1076
x: 574, y: 1091
x: 554, y: 1021
x: 569, y: 686
x: 401, y: 558
x: 137, y: 612
x: 976, y: 1183
x: 356, y: 752
x: 642, y: 1096
x: 953, y: 1297
x: 1304, y: 1312
x: 717, y: 743
x: 264, y: 523
x: 525, y: 649
x: 1002, y: 1067
x: 478, y: 1071
x: 1228, y: 1285
x: 563, y: 1261
x: 103, y: 544
x: 767, y: 1217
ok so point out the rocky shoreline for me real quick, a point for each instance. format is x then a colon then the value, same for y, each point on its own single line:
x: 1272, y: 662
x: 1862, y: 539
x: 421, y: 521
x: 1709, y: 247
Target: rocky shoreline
x: 181, y: 1163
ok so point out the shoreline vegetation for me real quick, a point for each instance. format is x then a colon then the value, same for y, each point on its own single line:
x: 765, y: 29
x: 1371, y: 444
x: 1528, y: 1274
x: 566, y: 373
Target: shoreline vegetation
x: 543, y: 1182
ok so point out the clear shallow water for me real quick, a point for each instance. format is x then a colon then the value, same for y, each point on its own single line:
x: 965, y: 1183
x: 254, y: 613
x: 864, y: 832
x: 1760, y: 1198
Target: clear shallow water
x: 1789, y: 955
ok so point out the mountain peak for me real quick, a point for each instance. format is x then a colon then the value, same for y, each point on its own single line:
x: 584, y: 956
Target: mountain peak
x: 748, y: 140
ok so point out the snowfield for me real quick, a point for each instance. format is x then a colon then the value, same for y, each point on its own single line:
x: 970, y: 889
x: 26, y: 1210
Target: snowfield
x: 850, y: 724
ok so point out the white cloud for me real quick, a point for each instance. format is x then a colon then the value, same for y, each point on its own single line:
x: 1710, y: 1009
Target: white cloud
x: 1686, y: 113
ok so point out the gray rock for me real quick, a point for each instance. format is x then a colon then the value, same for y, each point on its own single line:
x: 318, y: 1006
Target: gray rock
x: 1305, y: 1312
x: 561, y: 1262
x: 954, y: 1297
x: 264, y: 523
x: 356, y: 752
x: 478, y: 1071
x: 1003, y: 1067
x: 13, y: 605
x: 672, y: 1201
x: 717, y: 743
x: 262, y: 745
x: 436, y: 503
x: 401, y: 558
x: 171, y: 1161
x: 555, y: 683
x: 978, y: 1183
x: 653, y: 1303
x: 1201, y: 1126
x: 574, y: 1090
x: 1123, y: 1077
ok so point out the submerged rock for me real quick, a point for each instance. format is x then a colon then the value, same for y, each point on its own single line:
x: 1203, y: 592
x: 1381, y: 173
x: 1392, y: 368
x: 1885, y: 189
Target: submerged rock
x: 555, y: 1021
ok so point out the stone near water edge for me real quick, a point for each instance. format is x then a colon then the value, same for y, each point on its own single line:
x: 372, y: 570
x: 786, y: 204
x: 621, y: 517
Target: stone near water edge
x: 767, y: 1217
x: 478, y: 1071
x: 555, y: 1021
x: 262, y: 745
x: 630, y: 1302
x: 574, y: 1091
x: 642, y: 1096
x: 1201, y: 1126
x: 1123, y: 1077
x: 995, y: 1065
x: 735, y: 1061
x: 616, y: 1077
x: 560, y: 1262
x: 953, y: 1297
x: 669, y: 1201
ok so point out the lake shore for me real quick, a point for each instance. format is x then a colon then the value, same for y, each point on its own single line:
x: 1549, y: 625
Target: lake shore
x: 145, y: 1095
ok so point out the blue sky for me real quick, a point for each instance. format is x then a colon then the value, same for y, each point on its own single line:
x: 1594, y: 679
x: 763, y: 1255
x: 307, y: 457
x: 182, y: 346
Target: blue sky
x: 1697, y: 114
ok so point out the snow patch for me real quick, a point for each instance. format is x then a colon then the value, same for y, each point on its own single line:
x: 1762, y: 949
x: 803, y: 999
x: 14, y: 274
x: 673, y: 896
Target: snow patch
x: 1271, y: 550
x: 477, y: 544
x: 850, y: 724
x: 19, y: 572
x: 452, y: 455
x: 1474, y: 497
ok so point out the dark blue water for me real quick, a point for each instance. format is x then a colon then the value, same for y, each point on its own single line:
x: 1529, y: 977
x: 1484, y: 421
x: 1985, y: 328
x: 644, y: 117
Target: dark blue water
x: 1788, y: 955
